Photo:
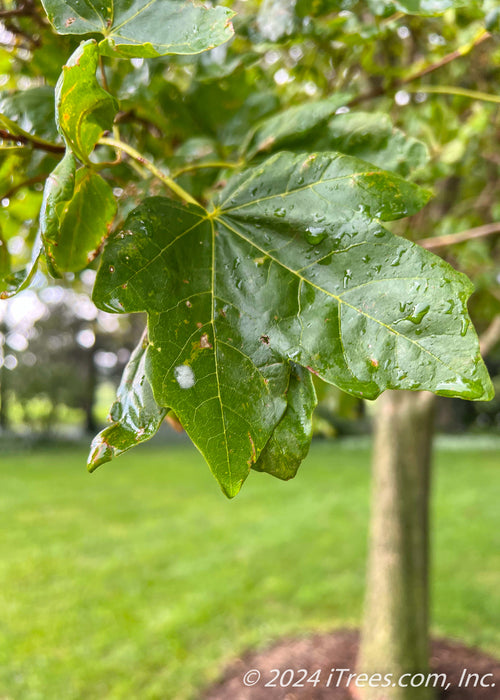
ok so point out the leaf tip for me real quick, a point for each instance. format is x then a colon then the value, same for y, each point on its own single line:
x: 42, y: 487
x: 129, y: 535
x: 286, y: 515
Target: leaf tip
x: 100, y: 452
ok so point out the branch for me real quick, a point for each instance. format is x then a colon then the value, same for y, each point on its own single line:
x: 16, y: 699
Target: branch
x: 27, y: 9
x: 491, y: 337
x: 19, y: 12
x: 458, y: 53
x: 38, y: 144
x: 478, y: 232
x: 208, y: 164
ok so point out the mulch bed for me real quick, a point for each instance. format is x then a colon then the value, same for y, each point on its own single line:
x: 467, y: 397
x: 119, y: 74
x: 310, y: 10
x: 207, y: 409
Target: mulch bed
x: 338, y: 650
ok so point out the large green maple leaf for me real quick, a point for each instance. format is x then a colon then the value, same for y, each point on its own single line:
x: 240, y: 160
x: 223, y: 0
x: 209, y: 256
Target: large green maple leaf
x: 292, y: 267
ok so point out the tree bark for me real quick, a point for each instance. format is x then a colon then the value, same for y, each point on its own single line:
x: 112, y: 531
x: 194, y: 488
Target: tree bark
x: 395, y: 638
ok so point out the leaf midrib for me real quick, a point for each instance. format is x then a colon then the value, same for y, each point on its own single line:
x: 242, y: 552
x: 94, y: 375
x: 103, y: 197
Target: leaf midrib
x: 212, y: 317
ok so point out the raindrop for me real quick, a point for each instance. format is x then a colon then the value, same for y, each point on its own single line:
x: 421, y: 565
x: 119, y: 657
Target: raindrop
x: 397, y: 260
x: 451, y: 306
x: 315, y: 234
x: 347, y: 277
x: 418, y: 314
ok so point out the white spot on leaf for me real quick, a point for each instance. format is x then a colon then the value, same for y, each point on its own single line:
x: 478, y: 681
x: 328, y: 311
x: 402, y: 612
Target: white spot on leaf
x: 184, y: 376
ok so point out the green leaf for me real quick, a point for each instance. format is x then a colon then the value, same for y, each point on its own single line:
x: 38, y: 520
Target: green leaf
x: 366, y: 135
x: 292, y: 266
x: 84, y: 109
x: 291, y: 126
x: 371, y: 137
x: 135, y: 414
x: 14, y: 281
x: 77, y: 211
x: 143, y: 28
x: 289, y: 443
x: 429, y: 7
x: 32, y: 110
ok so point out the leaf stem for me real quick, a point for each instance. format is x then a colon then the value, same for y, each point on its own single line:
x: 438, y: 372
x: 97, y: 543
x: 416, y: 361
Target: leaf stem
x: 208, y: 164
x: 167, y: 181
x: 452, y: 90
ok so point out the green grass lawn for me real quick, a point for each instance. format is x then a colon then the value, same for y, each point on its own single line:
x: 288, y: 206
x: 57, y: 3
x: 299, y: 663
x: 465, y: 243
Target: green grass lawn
x: 142, y: 580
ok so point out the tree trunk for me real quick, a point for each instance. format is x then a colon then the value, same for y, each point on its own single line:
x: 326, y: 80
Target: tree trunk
x: 395, y: 630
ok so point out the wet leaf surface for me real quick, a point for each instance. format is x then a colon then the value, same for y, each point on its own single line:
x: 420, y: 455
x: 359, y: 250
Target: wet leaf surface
x: 135, y: 414
x: 291, y: 126
x: 290, y: 441
x: 84, y: 109
x: 77, y: 211
x: 293, y: 266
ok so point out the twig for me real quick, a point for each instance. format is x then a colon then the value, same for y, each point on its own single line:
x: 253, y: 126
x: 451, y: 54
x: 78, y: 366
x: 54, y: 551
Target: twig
x: 200, y: 166
x: 483, y: 35
x: 469, y: 234
x: 32, y: 141
x: 27, y: 9
x: 491, y: 336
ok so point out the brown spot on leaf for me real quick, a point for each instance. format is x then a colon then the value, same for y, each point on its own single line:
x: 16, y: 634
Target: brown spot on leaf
x: 264, y: 339
x: 267, y: 143
x: 310, y: 158
x: 253, y: 458
x: 204, y: 341
x: 69, y: 21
